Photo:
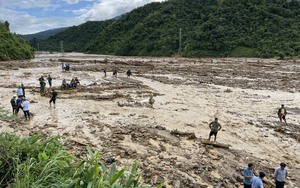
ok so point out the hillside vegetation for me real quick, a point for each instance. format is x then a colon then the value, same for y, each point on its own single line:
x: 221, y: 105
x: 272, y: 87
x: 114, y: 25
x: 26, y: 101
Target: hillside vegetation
x: 256, y: 28
x: 37, y: 162
x: 44, y: 34
x: 12, y: 46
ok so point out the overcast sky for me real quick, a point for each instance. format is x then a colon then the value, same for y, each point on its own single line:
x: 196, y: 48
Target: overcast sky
x: 32, y: 16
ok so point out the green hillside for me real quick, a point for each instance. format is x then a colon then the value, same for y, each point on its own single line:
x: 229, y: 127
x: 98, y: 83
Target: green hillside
x: 251, y: 28
x: 44, y: 34
x: 12, y: 46
x: 75, y: 38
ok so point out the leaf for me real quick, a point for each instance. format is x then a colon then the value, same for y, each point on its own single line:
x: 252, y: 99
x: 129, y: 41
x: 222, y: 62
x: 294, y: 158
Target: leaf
x: 116, y: 176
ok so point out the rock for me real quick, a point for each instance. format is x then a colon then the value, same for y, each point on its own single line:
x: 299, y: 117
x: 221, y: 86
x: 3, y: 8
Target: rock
x: 238, y: 178
x: 110, y: 160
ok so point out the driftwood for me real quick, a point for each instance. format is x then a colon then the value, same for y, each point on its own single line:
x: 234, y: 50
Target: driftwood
x: 183, y: 134
x: 215, y: 144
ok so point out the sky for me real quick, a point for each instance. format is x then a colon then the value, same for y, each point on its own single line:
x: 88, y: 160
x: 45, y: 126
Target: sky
x: 32, y: 16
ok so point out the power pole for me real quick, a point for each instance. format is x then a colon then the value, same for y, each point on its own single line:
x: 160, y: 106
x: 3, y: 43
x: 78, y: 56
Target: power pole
x: 62, y: 46
x: 180, y: 40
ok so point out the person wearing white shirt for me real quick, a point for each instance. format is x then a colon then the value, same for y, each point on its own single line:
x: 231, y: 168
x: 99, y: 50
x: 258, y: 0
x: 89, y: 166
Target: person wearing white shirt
x: 257, y: 182
x: 20, y: 92
x: 25, y: 106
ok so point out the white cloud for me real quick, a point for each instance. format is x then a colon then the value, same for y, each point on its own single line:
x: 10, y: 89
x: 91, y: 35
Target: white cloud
x: 107, y: 9
x: 72, y: 1
x: 80, y: 11
x: 26, y: 4
x: 22, y: 22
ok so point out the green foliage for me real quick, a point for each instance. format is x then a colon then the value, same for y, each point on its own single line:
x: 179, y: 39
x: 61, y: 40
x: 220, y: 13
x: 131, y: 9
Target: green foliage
x: 258, y: 28
x: 32, y: 162
x: 12, y: 46
x: 74, y: 38
x: 92, y: 173
x: 36, y: 162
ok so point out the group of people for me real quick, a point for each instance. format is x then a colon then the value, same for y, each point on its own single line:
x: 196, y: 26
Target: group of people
x: 252, y: 181
x: 20, y: 103
x: 73, y: 83
x: 65, y: 67
x: 43, y: 83
x: 215, y: 126
x: 115, y: 72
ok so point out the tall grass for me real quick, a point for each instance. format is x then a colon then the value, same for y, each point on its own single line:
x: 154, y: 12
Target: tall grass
x: 35, y: 162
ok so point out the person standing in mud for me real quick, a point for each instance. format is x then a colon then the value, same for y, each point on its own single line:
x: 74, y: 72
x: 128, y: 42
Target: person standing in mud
x: 151, y: 100
x: 67, y: 67
x: 13, y: 104
x: 53, y: 97
x: 257, y: 182
x: 129, y: 73
x: 25, y: 106
x: 18, y: 103
x: 214, y: 126
x: 49, y: 81
x: 115, y: 72
x: 248, y: 175
x: 282, y: 113
x: 23, y: 89
x: 104, y: 72
x: 280, y: 175
x: 42, y: 85
x: 20, y: 92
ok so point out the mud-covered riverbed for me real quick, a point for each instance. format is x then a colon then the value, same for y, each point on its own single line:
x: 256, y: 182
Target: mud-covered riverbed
x: 113, y: 115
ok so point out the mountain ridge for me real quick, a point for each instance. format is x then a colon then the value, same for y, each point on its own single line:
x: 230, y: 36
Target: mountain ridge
x: 236, y: 28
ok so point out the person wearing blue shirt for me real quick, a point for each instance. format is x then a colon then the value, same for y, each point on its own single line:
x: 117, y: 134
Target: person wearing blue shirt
x: 257, y: 182
x: 248, y: 174
x: 280, y: 175
x: 20, y: 91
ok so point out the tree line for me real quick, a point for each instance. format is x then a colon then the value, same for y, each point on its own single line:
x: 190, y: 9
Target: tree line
x: 236, y: 28
x: 13, y: 46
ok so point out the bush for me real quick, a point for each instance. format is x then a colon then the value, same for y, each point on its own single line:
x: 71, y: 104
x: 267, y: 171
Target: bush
x: 37, y: 162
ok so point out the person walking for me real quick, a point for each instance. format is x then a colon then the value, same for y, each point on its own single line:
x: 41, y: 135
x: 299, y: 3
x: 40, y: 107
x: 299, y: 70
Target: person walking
x: 13, y: 104
x: 248, y: 175
x: 214, y: 126
x: 282, y: 113
x: 257, y: 182
x: 280, y: 175
x: 104, y: 72
x: 25, y: 106
x: 129, y: 73
x: 49, y: 81
x: 53, y: 97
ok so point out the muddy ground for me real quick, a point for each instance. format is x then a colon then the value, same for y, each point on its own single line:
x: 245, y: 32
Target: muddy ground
x: 113, y: 115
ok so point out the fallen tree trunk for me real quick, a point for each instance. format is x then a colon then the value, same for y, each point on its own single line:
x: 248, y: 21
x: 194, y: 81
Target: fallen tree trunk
x: 215, y: 144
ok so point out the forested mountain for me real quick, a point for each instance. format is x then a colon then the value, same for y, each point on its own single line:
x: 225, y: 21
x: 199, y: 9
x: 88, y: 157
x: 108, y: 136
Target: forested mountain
x: 12, y: 46
x: 44, y: 34
x: 75, y: 38
x: 252, y: 28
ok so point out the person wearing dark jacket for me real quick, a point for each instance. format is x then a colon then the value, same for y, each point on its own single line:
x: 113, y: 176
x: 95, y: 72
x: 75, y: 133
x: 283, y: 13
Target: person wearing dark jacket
x: 13, y: 104
x: 53, y: 97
